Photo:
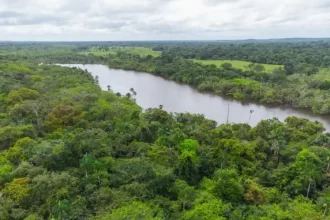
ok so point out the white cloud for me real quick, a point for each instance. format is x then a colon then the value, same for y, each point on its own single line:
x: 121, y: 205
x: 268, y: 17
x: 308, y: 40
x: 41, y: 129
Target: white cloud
x: 162, y: 19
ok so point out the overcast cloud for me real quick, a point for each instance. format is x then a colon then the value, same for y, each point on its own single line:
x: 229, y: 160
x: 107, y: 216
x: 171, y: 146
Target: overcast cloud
x: 162, y: 19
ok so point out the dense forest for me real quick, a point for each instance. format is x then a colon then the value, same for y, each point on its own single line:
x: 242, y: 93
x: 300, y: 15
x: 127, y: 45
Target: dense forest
x: 298, y: 82
x: 307, y: 88
x: 315, y: 53
x: 69, y: 150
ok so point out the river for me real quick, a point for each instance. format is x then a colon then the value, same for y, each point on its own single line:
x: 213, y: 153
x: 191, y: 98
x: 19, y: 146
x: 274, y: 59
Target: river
x: 153, y: 91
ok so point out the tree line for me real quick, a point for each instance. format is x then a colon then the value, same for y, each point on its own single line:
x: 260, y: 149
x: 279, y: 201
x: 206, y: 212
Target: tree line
x: 315, y: 53
x: 71, y: 151
x: 305, y: 89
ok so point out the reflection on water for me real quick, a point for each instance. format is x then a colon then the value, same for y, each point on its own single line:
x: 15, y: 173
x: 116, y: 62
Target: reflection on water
x: 153, y: 91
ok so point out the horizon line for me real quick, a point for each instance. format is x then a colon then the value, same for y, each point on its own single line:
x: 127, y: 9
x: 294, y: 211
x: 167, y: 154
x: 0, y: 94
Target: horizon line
x: 214, y: 40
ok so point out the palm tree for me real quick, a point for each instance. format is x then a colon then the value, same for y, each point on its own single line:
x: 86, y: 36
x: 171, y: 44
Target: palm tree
x: 87, y: 163
x: 309, y: 186
x: 278, y: 144
x: 98, y: 166
x: 133, y: 92
x: 311, y: 174
x: 308, y: 169
x: 97, y: 79
x: 128, y: 95
x: 276, y: 149
x: 251, y: 112
x: 62, y: 208
x: 326, y: 203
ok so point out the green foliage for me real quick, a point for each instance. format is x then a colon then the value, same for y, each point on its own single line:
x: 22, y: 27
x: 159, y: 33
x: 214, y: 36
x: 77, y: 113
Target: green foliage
x: 275, y: 82
x: 228, y: 186
x: 10, y: 134
x: 62, y: 115
x: 244, y: 65
x: 189, y: 161
x: 207, y: 206
x: 136, y: 210
x: 17, y: 190
x: 22, y: 94
x: 71, y: 151
x: 106, y: 51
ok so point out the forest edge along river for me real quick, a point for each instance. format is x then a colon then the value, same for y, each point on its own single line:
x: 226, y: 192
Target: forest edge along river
x: 153, y: 91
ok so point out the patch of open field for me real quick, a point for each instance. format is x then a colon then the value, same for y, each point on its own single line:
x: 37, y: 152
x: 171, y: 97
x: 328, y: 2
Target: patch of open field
x: 236, y: 64
x: 142, y: 51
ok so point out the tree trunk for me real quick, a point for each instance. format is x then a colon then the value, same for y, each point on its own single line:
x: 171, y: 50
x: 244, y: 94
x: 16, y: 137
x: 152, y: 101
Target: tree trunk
x: 35, y: 111
x: 278, y: 159
x: 309, y: 187
x: 228, y: 114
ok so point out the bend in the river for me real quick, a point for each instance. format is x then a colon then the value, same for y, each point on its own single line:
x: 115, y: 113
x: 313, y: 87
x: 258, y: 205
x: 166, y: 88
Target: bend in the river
x: 153, y: 91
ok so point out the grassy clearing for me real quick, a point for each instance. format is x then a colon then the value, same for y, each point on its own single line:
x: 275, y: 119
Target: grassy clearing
x: 142, y: 51
x: 236, y: 64
x: 98, y: 53
x: 323, y: 74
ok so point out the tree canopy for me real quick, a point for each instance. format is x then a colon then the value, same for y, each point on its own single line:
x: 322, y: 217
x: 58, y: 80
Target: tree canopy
x: 69, y: 150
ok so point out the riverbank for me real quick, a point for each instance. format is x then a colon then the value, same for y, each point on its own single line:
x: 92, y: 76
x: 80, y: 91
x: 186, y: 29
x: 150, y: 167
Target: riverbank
x: 105, y: 158
x: 153, y: 91
x: 296, y: 91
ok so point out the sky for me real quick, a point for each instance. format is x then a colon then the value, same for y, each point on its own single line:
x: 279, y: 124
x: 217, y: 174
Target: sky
x: 125, y: 20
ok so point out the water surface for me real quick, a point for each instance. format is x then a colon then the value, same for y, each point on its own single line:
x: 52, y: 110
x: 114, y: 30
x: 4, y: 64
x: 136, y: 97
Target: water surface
x: 153, y: 91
